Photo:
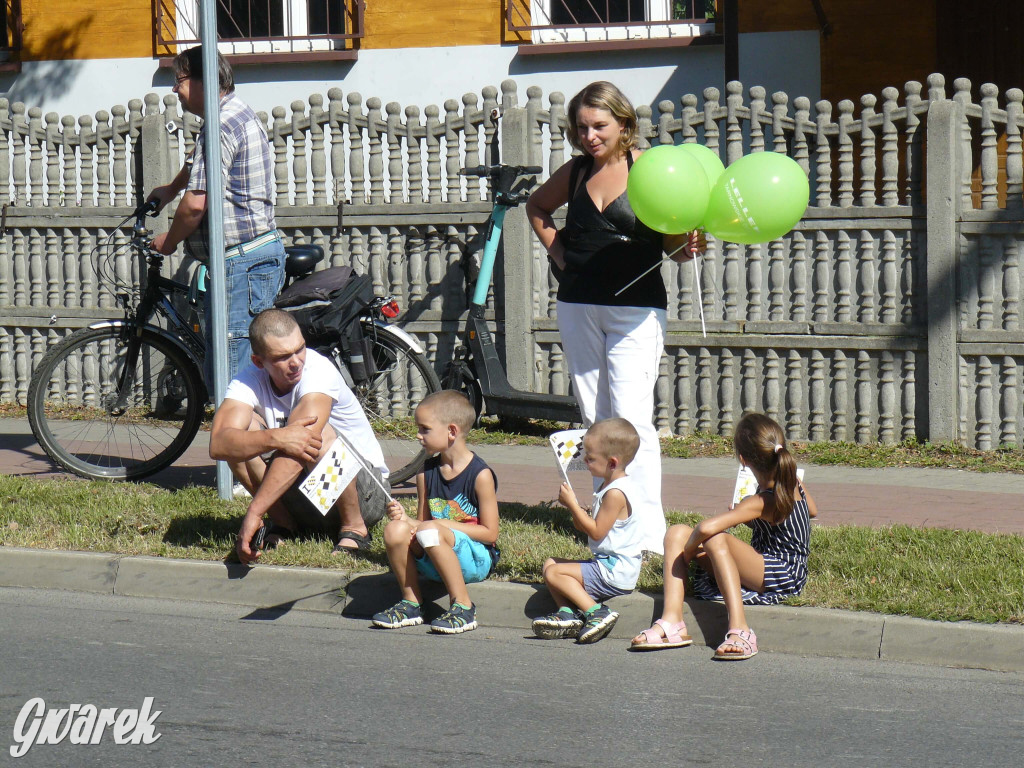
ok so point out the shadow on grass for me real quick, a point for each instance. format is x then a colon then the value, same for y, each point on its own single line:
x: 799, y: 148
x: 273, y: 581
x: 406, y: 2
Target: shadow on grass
x: 176, y: 477
x: 557, y: 520
x: 512, y: 425
x: 207, y: 531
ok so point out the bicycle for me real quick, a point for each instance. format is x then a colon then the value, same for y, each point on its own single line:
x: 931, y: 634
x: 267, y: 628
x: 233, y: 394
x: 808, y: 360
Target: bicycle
x: 123, y: 399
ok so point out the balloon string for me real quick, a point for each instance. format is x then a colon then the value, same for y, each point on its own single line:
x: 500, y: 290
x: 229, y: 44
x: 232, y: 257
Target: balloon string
x: 650, y: 269
x: 700, y: 300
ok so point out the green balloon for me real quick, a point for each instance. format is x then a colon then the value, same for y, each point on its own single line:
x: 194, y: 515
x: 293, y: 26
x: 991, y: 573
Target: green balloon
x: 709, y: 161
x: 668, y: 190
x: 759, y: 197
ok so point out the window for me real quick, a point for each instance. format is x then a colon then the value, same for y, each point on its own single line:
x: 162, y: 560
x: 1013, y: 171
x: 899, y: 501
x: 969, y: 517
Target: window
x: 568, y: 21
x: 254, y: 27
x: 10, y: 45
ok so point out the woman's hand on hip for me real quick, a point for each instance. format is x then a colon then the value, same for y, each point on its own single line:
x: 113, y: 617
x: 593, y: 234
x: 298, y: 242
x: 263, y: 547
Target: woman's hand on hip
x: 556, y: 254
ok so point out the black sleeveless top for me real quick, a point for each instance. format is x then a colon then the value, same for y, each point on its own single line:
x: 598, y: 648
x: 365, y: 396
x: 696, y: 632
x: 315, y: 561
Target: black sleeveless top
x: 606, y: 249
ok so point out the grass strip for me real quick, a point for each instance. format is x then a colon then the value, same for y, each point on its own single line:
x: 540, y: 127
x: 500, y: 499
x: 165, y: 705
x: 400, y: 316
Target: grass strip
x: 929, y: 573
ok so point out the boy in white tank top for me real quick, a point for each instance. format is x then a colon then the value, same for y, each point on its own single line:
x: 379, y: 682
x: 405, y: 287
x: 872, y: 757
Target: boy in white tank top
x: 614, y: 534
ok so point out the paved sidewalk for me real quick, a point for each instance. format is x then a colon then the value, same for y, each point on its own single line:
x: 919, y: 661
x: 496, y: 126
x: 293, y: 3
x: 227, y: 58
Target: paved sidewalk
x: 920, y: 497
x: 939, y: 498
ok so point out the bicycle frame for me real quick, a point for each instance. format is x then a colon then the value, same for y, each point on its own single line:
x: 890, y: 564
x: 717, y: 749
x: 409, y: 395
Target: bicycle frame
x: 154, y: 300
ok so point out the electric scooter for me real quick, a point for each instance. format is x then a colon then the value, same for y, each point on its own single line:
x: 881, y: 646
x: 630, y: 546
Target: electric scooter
x: 475, y: 368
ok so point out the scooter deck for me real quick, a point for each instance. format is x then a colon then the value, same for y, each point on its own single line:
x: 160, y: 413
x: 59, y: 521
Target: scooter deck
x: 532, y: 405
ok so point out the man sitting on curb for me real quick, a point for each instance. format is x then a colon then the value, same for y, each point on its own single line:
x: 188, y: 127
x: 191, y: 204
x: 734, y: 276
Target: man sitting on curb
x: 279, y: 416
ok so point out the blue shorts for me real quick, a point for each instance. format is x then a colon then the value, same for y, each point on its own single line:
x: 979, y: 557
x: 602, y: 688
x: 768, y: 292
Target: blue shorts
x: 595, y: 584
x: 474, y: 558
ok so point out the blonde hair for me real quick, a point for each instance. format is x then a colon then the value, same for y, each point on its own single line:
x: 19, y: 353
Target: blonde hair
x: 603, y: 95
x: 451, y: 407
x: 616, y: 438
x: 761, y: 443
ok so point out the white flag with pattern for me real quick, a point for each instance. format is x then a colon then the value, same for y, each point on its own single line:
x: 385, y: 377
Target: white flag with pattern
x: 568, y: 448
x: 746, y: 484
x: 331, y: 476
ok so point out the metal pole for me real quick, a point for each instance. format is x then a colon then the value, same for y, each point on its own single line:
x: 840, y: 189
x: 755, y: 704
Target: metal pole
x: 215, y: 218
x: 731, y: 33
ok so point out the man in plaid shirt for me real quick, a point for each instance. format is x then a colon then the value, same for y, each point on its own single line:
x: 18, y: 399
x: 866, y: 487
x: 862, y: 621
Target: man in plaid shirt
x: 254, y: 254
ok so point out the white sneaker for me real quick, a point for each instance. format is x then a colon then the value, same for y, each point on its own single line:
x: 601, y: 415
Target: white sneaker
x: 239, y: 491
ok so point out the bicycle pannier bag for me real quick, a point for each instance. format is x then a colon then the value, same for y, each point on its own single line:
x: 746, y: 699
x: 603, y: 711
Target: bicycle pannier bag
x: 319, y: 286
x: 327, y: 305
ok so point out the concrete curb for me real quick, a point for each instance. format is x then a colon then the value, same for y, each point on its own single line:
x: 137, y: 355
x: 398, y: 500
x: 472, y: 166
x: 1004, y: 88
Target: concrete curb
x: 804, y: 631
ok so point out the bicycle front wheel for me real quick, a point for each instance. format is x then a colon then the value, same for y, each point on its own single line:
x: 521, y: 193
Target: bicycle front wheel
x: 98, y: 419
x: 403, y: 378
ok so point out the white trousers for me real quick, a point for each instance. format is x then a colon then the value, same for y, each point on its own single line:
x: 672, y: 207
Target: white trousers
x: 613, y: 355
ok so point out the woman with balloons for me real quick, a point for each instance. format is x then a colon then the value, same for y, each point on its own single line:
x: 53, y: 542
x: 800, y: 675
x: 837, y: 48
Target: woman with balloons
x: 625, y: 209
x: 613, y: 339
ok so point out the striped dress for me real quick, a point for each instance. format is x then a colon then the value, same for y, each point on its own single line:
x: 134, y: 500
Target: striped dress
x: 785, y: 548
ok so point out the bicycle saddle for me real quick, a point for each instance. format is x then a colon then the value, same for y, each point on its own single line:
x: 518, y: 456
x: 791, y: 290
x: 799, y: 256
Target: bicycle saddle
x: 301, y: 259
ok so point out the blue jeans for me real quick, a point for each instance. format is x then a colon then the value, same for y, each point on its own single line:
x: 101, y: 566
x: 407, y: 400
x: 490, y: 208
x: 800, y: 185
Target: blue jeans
x: 253, y: 281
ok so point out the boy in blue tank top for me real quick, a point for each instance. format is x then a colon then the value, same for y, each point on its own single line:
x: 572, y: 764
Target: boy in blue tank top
x: 614, y: 532
x: 452, y: 538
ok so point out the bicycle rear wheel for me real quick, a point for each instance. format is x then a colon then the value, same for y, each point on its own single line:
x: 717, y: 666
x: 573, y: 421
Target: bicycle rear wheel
x: 389, y: 399
x: 87, y: 426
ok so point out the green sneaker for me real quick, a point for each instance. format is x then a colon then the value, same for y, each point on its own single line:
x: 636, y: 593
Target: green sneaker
x: 561, y: 623
x: 599, y: 622
x: 455, y: 620
x: 401, y: 614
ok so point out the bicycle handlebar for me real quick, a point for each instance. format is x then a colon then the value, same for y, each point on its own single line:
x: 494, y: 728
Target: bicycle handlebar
x: 148, y: 208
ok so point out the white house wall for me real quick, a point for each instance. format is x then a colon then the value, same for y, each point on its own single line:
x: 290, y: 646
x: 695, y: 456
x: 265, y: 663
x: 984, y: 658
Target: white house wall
x: 786, y: 61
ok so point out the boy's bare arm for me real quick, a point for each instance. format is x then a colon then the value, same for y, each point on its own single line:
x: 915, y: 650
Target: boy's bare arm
x: 581, y: 519
x: 614, y: 506
x: 396, y: 511
x: 422, y: 502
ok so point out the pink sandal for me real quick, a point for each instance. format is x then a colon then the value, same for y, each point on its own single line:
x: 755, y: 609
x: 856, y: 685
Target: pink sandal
x: 671, y: 636
x: 743, y: 639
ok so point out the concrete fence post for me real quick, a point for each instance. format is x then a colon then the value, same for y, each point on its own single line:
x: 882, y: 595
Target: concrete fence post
x: 517, y: 267
x: 941, y: 263
x: 155, y: 145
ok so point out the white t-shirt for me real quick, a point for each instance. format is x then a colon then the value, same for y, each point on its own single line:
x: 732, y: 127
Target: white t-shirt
x: 253, y: 387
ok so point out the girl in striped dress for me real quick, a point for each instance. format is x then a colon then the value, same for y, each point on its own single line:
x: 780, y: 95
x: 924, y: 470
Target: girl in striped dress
x: 763, y: 572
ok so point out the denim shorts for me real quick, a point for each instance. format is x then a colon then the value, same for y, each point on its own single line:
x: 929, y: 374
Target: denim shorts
x: 253, y: 281
x: 474, y: 558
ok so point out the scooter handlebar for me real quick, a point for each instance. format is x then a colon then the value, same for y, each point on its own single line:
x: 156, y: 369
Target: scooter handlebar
x: 491, y: 170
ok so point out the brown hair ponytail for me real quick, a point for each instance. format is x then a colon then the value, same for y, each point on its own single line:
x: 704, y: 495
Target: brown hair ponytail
x: 785, y: 483
x: 762, y: 444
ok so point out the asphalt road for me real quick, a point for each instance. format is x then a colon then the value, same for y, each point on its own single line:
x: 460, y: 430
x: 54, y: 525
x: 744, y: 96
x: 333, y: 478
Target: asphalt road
x: 303, y: 688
